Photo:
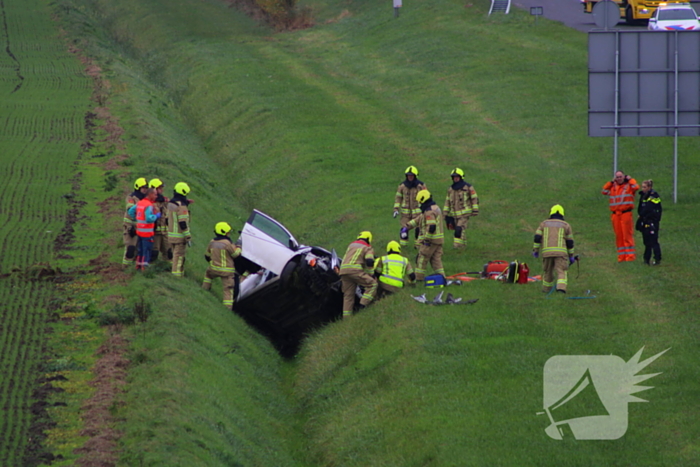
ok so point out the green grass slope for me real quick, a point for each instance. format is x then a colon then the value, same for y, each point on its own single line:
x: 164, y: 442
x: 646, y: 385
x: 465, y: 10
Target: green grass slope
x: 44, y: 99
x: 315, y: 127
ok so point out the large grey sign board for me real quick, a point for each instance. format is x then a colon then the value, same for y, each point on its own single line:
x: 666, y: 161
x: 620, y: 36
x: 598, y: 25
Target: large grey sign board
x: 644, y: 83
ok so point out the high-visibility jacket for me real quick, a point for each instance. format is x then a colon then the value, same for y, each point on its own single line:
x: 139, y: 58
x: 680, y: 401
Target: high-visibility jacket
x: 220, y: 253
x: 145, y: 217
x: 430, y: 224
x: 405, y: 200
x: 621, y: 196
x: 461, y: 200
x: 393, y: 268
x: 178, y: 220
x: 554, y: 237
x: 358, y: 257
x: 131, y: 201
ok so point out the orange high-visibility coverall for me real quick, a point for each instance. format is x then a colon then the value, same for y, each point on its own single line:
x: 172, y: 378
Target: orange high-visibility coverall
x: 621, y: 206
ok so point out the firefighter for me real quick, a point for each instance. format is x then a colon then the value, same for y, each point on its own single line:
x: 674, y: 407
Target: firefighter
x: 160, y: 239
x: 405, y: 202
x: 146, y: 217
x: 393, y: 270
x: 649, y: 211
x: 621, y: 192
x: 179, y: 236
x: 356, y: 269
x: 129, y: 235
x: 461, y: 203
x: 554, y: 241
x: 431, y: 236
x: 220, y: 254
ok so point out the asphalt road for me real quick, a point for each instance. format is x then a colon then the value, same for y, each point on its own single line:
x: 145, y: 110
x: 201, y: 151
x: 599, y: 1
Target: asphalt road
x: 570, y: 12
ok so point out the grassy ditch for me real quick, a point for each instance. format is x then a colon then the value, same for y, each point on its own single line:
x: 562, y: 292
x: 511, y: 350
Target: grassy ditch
x: 315, y: 128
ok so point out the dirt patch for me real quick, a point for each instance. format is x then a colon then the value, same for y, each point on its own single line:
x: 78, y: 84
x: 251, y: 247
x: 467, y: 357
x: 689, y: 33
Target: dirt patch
x: 101, y: 449
x: 284, y: 18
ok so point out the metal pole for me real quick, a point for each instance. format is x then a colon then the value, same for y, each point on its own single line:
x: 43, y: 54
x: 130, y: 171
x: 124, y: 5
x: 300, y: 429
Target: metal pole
x: 675, y: 122
x: 617, y: 99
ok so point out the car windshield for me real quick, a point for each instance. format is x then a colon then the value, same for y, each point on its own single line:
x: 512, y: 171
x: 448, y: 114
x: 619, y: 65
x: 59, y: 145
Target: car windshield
x: 270, y: 227
x: 675, y: 15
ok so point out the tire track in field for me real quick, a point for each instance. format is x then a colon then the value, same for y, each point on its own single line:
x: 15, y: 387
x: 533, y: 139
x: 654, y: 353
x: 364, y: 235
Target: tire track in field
x: 8, y: 49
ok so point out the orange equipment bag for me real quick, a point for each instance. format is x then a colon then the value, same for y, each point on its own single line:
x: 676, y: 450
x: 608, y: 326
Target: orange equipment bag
x: 493, y: 269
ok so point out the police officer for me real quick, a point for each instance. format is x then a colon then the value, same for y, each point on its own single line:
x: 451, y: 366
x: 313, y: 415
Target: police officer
x: 649, y: 211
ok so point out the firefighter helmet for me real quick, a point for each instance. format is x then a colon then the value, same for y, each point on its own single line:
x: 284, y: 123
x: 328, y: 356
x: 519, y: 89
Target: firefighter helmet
x: 411, y: 169
x: 459, y: 172
x: 155, y: 183
x: 365, y: 235
x: 393, y: 246
x: 557, y: 209
x: 140, y: 183
x: 182, y: 188
x: 423, y: 196
x: 222, y: 228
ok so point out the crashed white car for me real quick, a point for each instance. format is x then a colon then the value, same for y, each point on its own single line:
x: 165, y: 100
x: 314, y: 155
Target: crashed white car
x: 291, y: 289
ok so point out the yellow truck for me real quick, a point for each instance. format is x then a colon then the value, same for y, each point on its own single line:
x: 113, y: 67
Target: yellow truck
x: 633, y: 11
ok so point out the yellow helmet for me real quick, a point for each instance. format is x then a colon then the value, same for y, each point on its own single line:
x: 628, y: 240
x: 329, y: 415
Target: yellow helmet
x: 556, y: 209
x: 393, y: 246
x: 457, y: 171
x: 155, y: 183
x: 423, y: 196
x: 182, y: 188
x: 222, y: 228
x: 365, y: 235
x: 411, y: 169
x: 140, y: 183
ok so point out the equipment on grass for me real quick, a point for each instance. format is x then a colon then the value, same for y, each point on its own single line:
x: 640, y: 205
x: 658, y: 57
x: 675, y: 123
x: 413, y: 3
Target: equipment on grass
x: 493, y: 269
x: 449, y: 300
x: 435, y: 281
x: 438, y: 299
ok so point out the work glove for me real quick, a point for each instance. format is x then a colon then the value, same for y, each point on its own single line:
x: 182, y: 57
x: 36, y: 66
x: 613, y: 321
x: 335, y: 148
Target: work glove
x: 475, y: 212
x: 189, y: 243
x: 535, y: 254
x: 396, y: 213
x: 572, y: 260
x: 404, y: 233
x: 158, y: 215
x: 132, y: 231
x: 450, y: 221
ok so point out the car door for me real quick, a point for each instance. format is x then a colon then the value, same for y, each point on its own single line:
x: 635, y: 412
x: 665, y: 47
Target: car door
x: 267, y: 243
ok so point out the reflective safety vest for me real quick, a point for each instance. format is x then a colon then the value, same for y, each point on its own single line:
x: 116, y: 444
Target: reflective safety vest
x: 621, y: 196
x: 143, y: 228
x: 393, y: 269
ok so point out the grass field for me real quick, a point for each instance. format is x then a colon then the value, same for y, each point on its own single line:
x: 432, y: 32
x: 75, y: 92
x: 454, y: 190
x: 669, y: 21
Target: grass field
x: 44, y: 100
x: 315, y: 127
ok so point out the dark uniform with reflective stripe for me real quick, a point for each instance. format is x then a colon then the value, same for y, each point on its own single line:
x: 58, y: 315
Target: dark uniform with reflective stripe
x: 650, y: 211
